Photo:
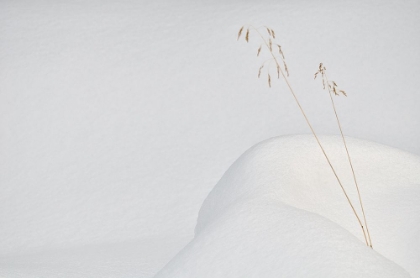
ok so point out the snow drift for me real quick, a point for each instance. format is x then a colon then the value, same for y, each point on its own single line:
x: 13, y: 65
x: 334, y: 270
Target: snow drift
x: 279, y: 212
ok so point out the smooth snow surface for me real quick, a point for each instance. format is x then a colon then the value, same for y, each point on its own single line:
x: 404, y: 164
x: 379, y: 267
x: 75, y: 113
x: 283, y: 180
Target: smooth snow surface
x: 279, y: 212
x: 130, y: 259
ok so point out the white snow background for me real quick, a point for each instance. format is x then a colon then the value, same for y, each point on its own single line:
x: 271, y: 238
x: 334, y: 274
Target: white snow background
x: 117, y: 118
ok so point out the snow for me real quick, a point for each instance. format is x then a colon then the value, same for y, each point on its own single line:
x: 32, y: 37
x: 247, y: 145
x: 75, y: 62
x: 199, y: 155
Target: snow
x: 139, y: 258
x: 279, y: 212
x: 118, y: 117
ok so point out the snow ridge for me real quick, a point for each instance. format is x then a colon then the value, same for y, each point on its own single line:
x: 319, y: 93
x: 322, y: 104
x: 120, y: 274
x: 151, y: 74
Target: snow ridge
x: 278, y: 212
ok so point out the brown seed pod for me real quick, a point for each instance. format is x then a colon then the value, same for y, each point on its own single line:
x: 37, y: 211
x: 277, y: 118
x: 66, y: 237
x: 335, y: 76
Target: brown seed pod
x: 280, y: 51
x: 240, y: 32
x: 273, y: 34
x: 259, y: 71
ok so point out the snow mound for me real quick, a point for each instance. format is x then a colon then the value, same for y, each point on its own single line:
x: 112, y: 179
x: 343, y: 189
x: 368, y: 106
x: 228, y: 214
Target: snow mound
x: 279, y: 212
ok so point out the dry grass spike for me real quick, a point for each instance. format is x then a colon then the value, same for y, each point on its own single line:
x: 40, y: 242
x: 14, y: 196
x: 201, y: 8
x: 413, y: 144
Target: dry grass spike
x: 240, y: 32
x: 285, y: 68
x: 280, y: 51
x: 259, y: 71
x: 331, y: 85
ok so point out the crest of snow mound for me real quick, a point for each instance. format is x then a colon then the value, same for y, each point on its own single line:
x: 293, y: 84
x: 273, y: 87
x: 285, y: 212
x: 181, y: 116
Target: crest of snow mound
x: 279, y: 212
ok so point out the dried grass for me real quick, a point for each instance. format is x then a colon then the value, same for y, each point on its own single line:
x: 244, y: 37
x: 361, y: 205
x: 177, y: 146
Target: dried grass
x: 331, y: 86
x: 333, y: 89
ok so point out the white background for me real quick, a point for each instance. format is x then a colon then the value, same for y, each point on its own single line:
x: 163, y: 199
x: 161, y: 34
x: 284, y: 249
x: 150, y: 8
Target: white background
x: 118, y: 117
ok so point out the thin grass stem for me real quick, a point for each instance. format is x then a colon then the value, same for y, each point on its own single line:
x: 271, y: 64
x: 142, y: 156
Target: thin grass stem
x: 312, y: 129
x: 350, y: 162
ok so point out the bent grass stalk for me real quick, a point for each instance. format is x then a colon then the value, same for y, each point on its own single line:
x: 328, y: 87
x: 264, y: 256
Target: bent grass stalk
x: 332, y: 88
x: 269, y: 45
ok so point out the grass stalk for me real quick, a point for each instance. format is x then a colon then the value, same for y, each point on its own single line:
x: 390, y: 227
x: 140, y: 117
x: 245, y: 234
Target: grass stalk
x: 269, y: 45
x: 331, y: 91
